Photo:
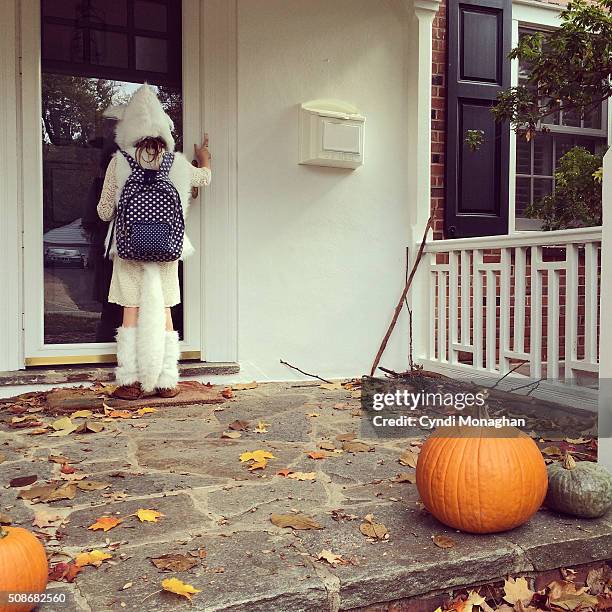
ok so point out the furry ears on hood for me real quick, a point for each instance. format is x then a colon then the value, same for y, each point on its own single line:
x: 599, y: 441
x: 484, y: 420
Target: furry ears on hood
x: 143, y: 116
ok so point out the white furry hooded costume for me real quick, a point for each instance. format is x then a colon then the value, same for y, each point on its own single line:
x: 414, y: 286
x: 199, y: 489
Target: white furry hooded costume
x: 143, y: 116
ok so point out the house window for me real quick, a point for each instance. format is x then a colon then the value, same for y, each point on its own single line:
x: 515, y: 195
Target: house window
x: 537, y: 159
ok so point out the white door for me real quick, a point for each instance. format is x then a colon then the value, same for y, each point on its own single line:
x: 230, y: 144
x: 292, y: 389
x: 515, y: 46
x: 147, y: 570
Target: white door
x: 81, y: 58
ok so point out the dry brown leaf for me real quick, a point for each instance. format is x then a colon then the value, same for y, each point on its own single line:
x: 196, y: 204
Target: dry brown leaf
x: 37, y: 494
x: 43, y: 518
x: 346, y: 437
x: 318, y: 454
x: 517, y: 590
x: 245, y: 386
x: 239, y: 425
x: 372, y: 529
x: 231, y: 434
x: 174, y: 562
x: 284, y: 472
x: 67, y: 469
x: 23, y: 481
x: 295, y: 521
x: 331, y: 558
x: 81, y: 414
x: 174, y: 585
x: 405, y: 477
x: 302, y: 475
x: 327, y: 445
x: 58, y: 459
x: 409, y: 458
x: 2, y: 457
x: 67, y: 491
x: 552, y: 451
x: 597, y: 579
x: 90, y: 427
x: 5, y: 519
x: 120, y: 414
x: 356, y: 446
x: 105, y: 523
x: 442, y: 541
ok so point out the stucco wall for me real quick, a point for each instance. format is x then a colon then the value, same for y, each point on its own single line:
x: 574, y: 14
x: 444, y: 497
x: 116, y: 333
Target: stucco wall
x: 321, y: 250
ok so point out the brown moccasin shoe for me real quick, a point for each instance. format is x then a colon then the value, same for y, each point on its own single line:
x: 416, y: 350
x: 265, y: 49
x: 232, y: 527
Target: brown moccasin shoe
x: 168, y: 392
x: 128, y: 392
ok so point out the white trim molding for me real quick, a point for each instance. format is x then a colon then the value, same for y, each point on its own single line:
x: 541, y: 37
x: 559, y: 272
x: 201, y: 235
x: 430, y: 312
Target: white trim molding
x: 219, y: 64
x: 11, y: 340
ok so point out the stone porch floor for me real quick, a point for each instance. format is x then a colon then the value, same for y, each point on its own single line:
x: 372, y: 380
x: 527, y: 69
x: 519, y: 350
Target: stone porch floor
x: 176, y: 462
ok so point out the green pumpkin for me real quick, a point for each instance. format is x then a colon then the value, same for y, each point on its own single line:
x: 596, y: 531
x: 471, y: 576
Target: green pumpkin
x: 581, y: 489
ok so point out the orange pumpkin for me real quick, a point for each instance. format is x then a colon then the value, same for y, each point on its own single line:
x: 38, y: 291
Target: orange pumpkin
x: 481, y: 479
x: 23, y: 566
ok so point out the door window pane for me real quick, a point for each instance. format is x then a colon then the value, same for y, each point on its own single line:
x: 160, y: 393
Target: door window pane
x: 109, y: 49
x: 151, y: 54
x: 150, y: 16
x: 111, y: 13
x: 66, y: 9
x: 63, y: 43
x: 542, y: 155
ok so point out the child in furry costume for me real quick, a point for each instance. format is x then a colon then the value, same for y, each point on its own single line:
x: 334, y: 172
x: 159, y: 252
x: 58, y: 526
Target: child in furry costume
x: 147, y: 345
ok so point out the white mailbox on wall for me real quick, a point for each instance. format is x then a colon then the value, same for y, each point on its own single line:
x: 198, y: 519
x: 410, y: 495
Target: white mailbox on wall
x: 331, y: 134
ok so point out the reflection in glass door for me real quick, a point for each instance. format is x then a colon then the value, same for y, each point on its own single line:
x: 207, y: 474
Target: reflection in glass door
x: 95, y: 53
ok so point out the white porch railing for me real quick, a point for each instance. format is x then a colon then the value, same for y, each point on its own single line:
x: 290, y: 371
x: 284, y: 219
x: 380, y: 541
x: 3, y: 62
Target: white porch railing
x: 531, y: 297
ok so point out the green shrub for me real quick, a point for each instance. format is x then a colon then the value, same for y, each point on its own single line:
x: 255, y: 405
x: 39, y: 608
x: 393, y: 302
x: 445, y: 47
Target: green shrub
x: 576, y: 200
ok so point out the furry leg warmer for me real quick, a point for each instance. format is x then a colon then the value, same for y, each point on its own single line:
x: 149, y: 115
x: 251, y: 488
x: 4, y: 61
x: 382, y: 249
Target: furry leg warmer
x: 150, y: 342
x: 168, y: 379
x: 126, y: 372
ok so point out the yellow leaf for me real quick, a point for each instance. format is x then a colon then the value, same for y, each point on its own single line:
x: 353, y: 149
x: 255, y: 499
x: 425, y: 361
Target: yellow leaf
x: 517, y: 590
x: 330, y: 557
x: 95, y: 558
x: 261, y: 427
x: 147, y: 410
x: 313, y: 415
x: 150, y: 516
x: 63, y: 427
x: 81, y: 414
x: 174, y: 585
x: 258, y: 457
x: 105, y: 523
x: 409, y: 458
x: 244, y: 386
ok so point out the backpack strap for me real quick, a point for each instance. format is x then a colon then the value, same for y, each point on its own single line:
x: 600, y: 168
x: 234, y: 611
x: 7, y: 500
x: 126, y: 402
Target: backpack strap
x: 133, y: 163
x: 166, y: 164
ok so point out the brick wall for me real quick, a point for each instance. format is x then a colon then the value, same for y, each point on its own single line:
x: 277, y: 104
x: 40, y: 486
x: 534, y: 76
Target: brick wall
x: 438, y: 119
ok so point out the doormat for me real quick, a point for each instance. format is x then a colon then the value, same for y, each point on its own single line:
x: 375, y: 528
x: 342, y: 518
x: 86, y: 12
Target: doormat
x: 96, y: 397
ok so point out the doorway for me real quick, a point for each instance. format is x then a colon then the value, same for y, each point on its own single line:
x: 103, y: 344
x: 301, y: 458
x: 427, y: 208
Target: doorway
x: 92, y: 54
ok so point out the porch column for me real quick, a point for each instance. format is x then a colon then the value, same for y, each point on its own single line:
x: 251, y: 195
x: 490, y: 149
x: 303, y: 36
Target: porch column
x: 422, y: 13
x: 11, y: 357
x: 605, y: 333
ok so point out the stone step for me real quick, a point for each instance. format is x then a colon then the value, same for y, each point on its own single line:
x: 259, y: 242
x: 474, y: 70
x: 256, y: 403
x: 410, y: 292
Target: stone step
x: 103, y: 373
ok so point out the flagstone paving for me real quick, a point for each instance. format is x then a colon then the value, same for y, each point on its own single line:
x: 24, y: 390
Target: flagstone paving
x: 175, y: 461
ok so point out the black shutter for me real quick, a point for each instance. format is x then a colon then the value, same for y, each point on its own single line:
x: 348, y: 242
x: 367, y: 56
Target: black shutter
x: 479, y: 40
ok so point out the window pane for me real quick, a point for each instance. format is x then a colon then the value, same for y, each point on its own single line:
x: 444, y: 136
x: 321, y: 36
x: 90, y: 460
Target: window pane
x: 150, y: 16
x: 151, y: 54
x: 109, y: 49
x: 522, y: 195
x: 523, y: 155
x: 541, y: 188
x: 110, y: 13
x: 66, y: 9
x: 593, y: 119
x: 562, y: 145
x: 542, y: 155
x: 62, y: 43
x: 571, y: 118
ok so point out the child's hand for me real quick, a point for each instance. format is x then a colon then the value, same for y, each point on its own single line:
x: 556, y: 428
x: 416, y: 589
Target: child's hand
x: 202, y: 153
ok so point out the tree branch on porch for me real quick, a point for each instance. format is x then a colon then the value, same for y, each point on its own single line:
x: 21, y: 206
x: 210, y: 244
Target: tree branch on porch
x: 400, y: 304
x: 306, y: 373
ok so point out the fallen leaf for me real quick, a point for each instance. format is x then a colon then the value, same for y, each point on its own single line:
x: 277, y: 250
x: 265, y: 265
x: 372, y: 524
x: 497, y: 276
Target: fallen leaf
x: 67, y: 491
x: 23, y: 481
x: 38, y: 431
x: 120, y: 414
x: 443, y: 541
x: 39, y: 493
x: 95, y: 558
x: 90, y: 427
x: 327, y: 445
x: 174, y: 562
x: 553, y: 451
x: 5, y: 519
x: 313, y: 415
x: 63, y: 427
x: 261, y: 427
x: 517, y: 590
x: 330, y: 557
x: 258, y: 457
x: 284, y: 472
x: 67, y: 469
x: 44, y: 519
x: 295, y: 521
x: 598, y: 579
x: 126, y: 586
x: 146, y: 410
x: 245, y: 386
x: 81, y: 414
x: 227, y: 393
x: 105, y: 523
x: 318, y: 454
x: 231, y: 434
x: 2, y: 457
x: 58, y: 459
x: 148, y: 516
x: 406, y: 477
x: 576, y: 440
x: 64, y: 571
x: 239, y: 425
x: 174, y: 585
x: 302, y: 475
x: 409, y: 458
x: 372, y: 529
x: 356, y: 446
x: 346, y: 437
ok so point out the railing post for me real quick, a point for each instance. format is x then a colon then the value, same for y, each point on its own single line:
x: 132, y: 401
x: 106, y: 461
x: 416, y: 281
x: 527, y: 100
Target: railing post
x: 605, y: 339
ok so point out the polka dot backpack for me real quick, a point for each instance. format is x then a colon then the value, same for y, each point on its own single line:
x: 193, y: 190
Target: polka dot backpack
x: 149, y: 224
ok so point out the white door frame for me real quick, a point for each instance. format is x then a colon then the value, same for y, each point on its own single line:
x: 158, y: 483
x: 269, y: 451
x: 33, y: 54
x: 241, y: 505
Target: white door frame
x: 195, y: 278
